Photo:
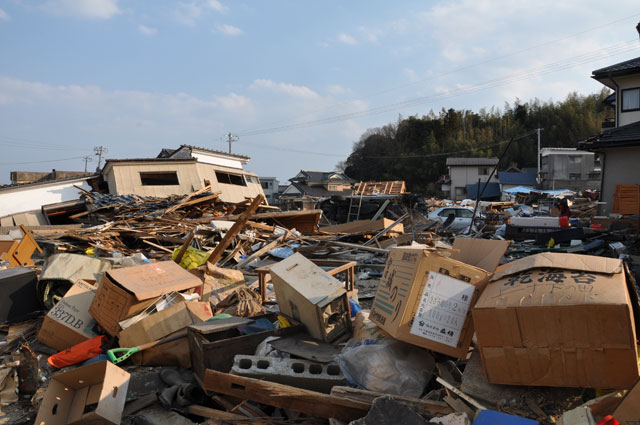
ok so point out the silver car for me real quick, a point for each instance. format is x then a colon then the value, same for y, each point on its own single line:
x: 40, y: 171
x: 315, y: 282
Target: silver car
x: 462, y: 217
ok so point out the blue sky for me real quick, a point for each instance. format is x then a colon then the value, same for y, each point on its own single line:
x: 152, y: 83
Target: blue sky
x: 297, y: 81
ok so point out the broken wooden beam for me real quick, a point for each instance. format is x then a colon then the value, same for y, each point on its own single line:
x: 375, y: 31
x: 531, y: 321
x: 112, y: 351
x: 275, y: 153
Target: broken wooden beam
x: 284, y: 396
x: 426, y: 408
x: 235, y: 229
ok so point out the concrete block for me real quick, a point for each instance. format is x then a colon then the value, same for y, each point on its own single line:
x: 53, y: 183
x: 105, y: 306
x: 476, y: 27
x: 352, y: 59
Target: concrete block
x: 295, y: 372
x: 578, y: 416
x: 457, y: 418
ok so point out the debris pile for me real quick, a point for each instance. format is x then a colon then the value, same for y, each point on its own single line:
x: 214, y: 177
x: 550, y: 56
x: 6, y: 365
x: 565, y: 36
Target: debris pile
x: 188, y: 310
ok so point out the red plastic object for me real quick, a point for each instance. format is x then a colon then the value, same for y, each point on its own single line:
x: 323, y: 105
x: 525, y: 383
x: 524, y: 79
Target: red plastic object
x: 564, y: 221
x: 608, y: 420
x: 78, y: 353
x: 597, y: 226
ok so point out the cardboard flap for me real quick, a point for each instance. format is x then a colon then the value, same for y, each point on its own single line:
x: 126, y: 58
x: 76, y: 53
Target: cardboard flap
x: 152, y: 280
x: 588, y: 263
x: 483, y: 253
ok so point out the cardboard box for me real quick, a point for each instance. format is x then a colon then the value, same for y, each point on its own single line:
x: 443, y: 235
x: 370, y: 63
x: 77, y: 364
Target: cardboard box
x: 92, y: 394
x: 425, y: 298
x: 558, y: 320
x: 165, y: 322
x: 628, y: 411
x: 127, y: 291
x: 311, y: 295
x: 69, y: 323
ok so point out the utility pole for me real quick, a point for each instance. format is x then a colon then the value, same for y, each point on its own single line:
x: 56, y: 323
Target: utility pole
x: 100, y: 150
x: 539, y: 179
x: 87, y: 159
x: 230, y: 139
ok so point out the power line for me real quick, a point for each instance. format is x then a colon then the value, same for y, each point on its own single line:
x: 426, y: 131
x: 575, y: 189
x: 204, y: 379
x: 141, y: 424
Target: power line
x: 522, y: 136
x: 509, y: 79
x: 463, y: 68
x: 41, y: 162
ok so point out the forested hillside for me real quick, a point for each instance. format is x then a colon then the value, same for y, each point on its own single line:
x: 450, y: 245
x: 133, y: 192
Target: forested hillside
x: 415, y: 149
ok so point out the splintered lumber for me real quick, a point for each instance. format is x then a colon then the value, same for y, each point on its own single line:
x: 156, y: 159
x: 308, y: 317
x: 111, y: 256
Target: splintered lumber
x: 271, y: 245
x: 235, y: 229
x: 364, y: 226
x: 426, y: 408
x: 387, y: 229
x: 285, y: 397
x: 349, y: 245
x: 220, y: 415
x: 192, y: 202
x: 304, y: 221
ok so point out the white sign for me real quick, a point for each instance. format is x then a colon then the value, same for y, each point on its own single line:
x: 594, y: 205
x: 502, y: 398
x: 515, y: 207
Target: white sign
x: 442, y: 309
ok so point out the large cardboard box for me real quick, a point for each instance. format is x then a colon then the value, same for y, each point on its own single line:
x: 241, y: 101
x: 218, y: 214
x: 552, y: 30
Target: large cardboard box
x: 92, y: 394
x: 69, y: 323
x: 127, y: 291
x: 558, y: 320
x: 311, y: 295
x: 628, y: 411
x: 165, y: 322
x: 424, y: 298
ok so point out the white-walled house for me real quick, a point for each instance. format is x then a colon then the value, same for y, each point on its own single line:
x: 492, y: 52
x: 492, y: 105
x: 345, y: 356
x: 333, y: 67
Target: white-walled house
x: 466, y: 171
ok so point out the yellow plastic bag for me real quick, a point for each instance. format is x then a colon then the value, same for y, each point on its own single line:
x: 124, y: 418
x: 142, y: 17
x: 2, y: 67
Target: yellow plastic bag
x: 192, y: 258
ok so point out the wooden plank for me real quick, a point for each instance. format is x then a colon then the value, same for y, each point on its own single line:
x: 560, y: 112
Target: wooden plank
x: 386, y: 229
x: 274, y: 243
x: 423, y: 407
x: 221, y: 415
x: 235, y: 229
x: 284, y: 396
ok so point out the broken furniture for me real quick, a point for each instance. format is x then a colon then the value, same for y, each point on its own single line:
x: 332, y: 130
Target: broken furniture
x: 311, y: 295
x: 18, y: 253
x: 348, y: 267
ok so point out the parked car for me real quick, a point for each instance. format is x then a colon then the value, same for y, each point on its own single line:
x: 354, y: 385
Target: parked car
x: 462, y: 217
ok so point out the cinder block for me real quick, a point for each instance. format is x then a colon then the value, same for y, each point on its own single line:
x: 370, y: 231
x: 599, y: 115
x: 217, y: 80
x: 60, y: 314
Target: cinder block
x: 295, y: 372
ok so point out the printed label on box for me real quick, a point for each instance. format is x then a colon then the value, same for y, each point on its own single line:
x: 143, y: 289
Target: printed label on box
x: 442, y: 309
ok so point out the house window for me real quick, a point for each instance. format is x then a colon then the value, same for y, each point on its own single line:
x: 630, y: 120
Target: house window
x: 631, y: 100
x: 483, y: 171
x: 251, y: 179
x: 461, y: 191
x: 575, y: 159
x: 229, y: 178
x: 575, y: 176
x: 265, y: 185
x: 159, y: 178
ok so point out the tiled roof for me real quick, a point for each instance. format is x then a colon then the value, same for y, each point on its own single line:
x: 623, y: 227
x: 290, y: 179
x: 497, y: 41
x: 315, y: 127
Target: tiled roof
x: 472, y: 161
x: 627, y: 67
x: 524, y: 179
x: 624, y: 136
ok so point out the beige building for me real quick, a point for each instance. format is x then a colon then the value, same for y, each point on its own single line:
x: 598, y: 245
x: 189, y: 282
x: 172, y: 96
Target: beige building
x: 182, y: 171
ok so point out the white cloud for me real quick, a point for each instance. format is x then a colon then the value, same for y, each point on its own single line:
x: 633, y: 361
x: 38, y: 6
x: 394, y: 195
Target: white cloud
x: 369, y: 34
x: 229, y: 30
x: 289, y: 89
x: 147, y: 30
x: 91, y: 9
x: 3, y: 15
x: 337, y: 89
x: 216, y: 5
x: 410, y: 75
x: 190, y: 12
x: 347, y: 39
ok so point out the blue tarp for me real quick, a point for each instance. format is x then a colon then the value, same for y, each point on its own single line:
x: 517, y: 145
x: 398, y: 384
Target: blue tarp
x: 526, y: 179
x: 492, y: 190
x: 524, y: 189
